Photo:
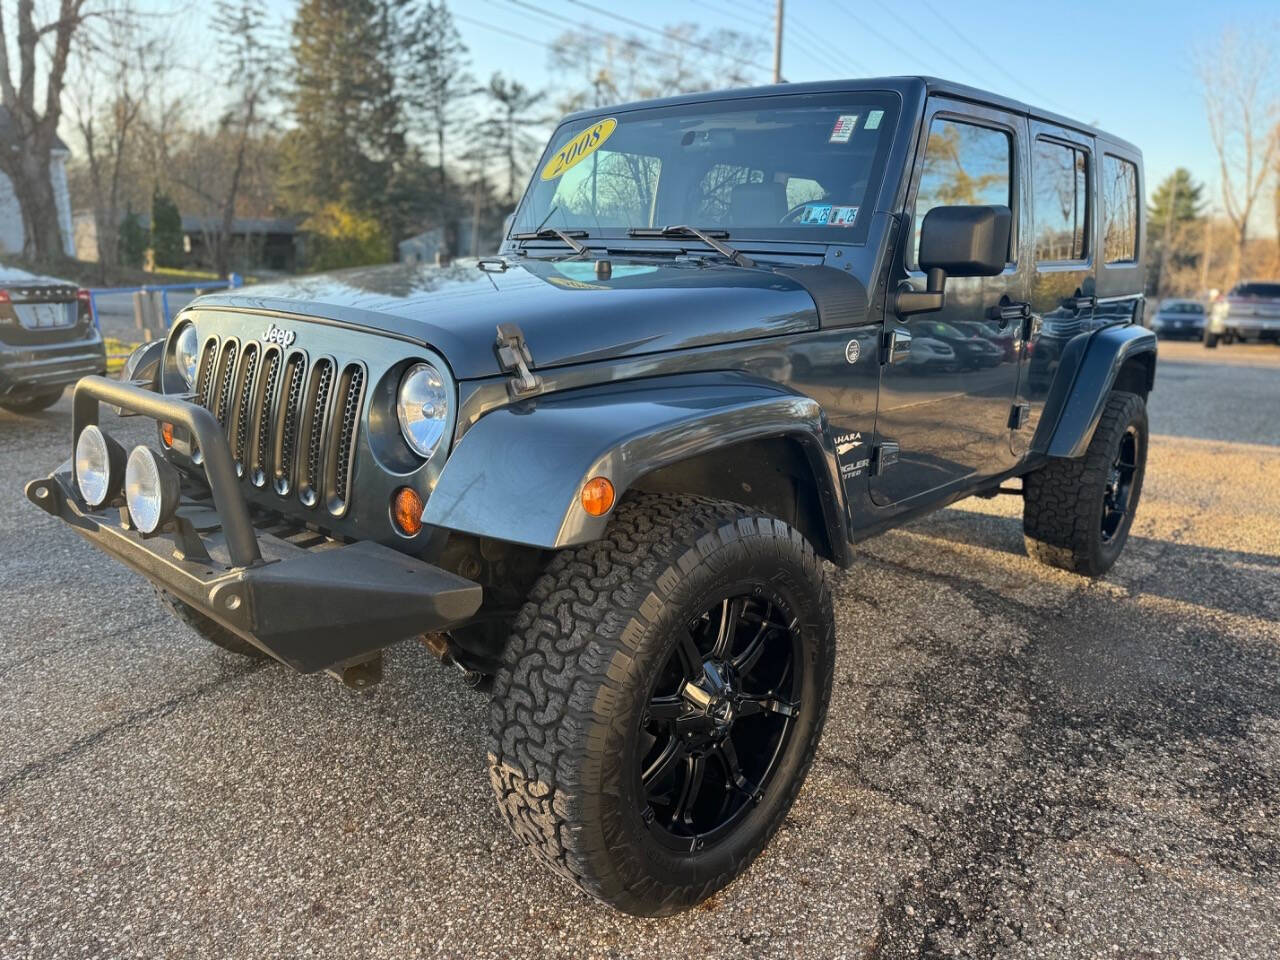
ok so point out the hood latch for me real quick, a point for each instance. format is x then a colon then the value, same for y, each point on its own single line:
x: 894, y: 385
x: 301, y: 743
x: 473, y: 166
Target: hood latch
x: 514, y: 358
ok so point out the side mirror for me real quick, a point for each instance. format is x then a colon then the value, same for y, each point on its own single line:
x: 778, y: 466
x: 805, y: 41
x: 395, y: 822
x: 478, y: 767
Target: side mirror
x: 968, y: 241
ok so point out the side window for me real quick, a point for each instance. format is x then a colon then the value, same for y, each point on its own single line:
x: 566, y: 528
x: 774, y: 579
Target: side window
x: 1060, y: 185
x: 1119, y: 210
x: 963, y: 164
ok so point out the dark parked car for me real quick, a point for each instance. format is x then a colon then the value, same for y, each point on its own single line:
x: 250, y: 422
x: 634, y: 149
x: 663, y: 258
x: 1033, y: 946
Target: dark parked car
x: 587, y: 468
x: 47, y: 339
x: 1249, y: 311
x: 1179, y: 318
x: 973, y: 344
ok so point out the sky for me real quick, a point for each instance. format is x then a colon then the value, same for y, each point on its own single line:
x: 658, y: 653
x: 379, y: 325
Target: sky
x: 1127, y: 67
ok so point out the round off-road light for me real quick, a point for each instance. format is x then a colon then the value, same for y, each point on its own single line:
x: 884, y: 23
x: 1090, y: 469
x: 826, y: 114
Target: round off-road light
x: 152, y: 489
x: 186, y: 354
x: 99, y: 466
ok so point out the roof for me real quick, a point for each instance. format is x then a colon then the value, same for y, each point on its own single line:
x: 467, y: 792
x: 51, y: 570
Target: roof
x: 6, y: 126
x: 907, y: 86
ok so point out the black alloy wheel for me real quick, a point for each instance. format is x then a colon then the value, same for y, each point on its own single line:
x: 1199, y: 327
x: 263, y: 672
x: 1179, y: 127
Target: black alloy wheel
x: 1118, y: 492
x: 718, y: 720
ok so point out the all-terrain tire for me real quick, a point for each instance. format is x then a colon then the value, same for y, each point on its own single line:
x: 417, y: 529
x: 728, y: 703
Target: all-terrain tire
x: 1064, y: 501
x: 34, y: 403
x: 572, y: 693
x: 208, y: 628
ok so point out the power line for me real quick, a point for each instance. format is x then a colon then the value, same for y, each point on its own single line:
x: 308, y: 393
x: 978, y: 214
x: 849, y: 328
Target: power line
x: 665, y: 34
x: 993, y: 61
x: 887, y: 41
x: 933, y: 46
x: 818, y: 42
x: 474, y: 21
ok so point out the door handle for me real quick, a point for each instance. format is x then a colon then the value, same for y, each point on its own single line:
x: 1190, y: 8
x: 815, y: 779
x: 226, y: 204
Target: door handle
x: 1080, y: 302
x: 1007, y: 311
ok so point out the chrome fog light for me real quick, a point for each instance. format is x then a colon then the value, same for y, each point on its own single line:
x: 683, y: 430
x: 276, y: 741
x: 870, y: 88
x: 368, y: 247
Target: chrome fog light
x: 99, y: 466
x: 152, y: 489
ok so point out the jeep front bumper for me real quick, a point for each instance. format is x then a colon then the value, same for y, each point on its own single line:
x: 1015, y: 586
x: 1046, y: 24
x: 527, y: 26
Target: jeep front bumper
x: 312, y: 608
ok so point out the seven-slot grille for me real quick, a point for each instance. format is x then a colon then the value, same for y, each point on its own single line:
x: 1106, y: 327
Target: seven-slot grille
x: 291, y: 421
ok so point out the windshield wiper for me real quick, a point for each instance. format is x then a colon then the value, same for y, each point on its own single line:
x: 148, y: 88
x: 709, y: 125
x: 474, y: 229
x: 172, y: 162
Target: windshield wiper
x: 706, y: 236
x: 554, y: 233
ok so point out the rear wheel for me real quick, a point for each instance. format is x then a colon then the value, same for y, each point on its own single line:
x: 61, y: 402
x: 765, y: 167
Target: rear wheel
x: 33, y: 403
x: 1077, y: 513
x: 208, y: 628
x: 661, y: 700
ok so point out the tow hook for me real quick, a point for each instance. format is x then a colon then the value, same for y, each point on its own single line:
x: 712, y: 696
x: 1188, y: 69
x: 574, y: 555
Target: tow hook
x: 362, y: 674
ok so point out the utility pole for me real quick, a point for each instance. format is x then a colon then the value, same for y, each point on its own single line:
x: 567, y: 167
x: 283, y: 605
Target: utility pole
x: 777, y: 45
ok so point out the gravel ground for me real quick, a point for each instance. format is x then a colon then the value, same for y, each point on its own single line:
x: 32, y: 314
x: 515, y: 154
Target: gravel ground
x: 1018, y: 762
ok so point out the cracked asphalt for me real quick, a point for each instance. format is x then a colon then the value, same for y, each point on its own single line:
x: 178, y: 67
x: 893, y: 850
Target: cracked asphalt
x: 1018, y: 762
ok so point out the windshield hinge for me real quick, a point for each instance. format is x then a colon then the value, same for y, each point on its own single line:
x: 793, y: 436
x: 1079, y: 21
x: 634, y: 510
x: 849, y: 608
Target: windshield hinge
x: 514, y: 358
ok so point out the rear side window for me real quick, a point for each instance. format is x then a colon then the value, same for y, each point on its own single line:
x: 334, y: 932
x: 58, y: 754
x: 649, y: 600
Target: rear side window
x: 1269, y: 291
x: 1060, y: 182
x: 963, y: 164
x: 1119, y: 210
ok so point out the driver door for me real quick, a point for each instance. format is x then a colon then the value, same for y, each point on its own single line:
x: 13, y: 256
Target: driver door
x: 946, y: 391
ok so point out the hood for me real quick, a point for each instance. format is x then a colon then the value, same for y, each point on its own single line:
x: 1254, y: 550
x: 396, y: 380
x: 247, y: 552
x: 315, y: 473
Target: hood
x: 568, y: 315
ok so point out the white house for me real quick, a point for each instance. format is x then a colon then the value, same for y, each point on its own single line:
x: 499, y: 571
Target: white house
x: 12, y: 234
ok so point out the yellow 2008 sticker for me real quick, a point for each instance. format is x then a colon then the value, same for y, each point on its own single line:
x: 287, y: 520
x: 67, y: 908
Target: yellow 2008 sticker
x: 580, y: 147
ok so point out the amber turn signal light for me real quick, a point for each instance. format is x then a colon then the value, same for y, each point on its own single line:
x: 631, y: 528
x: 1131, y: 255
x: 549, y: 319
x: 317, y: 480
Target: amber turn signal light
x: 597, y: 496
x: 166, y: 434
x: 406, y: 511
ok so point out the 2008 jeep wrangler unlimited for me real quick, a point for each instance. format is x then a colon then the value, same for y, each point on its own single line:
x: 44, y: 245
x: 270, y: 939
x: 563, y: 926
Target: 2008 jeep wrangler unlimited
x: 727, y: 337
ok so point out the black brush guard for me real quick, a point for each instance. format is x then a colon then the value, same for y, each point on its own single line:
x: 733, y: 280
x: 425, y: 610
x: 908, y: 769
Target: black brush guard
x: 313, y: 609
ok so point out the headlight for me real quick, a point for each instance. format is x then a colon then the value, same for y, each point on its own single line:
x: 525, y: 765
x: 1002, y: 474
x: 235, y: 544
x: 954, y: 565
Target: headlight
x: 186, y: 354
x: 99, y: 465
x: 152, y: 489
x: 423, y: 408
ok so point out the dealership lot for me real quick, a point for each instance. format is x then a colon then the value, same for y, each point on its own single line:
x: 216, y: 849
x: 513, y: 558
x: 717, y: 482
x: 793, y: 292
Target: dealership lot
x: 1017, y: 762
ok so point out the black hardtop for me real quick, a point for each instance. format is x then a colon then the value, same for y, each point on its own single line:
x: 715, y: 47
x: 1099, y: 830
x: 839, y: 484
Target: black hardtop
x: 910, y: 88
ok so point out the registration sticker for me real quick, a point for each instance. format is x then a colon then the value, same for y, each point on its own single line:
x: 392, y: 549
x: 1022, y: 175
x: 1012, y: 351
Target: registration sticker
x: 815, y: 214
x: 842, y: 132
x: 873, y: 120
x: 842, y: 216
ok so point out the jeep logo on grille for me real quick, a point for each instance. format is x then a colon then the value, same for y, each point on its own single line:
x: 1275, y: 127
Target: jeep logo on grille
x: 279, y: 335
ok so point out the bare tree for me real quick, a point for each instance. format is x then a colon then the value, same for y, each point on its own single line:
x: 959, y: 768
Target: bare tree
x: 43, y: 51
x: 506, y: 130
x: 680, y: 58
x: 116, y: 72
x: 1239, y: 78
x: 250, y: 59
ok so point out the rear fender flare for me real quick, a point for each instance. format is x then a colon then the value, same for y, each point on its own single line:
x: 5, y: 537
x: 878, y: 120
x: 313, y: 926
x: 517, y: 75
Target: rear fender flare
x: 518, y: 472
x: 1089, y: 369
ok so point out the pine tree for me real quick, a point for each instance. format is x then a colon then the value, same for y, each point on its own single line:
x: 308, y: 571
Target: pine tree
x: 1176, y: 200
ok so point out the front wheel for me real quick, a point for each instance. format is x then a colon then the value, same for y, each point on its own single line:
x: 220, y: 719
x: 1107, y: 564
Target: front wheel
x: 1076, y: 514
x: 661, y: 700
x: 33, y: 403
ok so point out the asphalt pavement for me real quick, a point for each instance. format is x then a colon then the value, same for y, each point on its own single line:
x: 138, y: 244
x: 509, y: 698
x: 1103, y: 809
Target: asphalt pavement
x: 1018, y: 762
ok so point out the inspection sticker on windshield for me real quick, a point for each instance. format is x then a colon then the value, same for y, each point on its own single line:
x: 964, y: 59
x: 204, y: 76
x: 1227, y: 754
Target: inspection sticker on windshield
x: 842, y: 216
x: 873, y: 120
x: 815, y: 214
x: 579, y: 148
x: 842, y: 132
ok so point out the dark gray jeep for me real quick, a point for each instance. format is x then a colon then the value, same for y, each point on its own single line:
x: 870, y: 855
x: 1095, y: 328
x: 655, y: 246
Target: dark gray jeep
x: 605, y: 468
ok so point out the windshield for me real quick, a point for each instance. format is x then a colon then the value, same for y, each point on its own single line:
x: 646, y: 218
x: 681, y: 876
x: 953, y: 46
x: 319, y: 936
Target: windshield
x: 1270, y: 291
x: 794, y: 167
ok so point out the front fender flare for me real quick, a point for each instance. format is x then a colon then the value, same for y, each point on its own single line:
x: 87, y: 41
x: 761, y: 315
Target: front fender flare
x: 1090, y: 365
x: 517, y: 473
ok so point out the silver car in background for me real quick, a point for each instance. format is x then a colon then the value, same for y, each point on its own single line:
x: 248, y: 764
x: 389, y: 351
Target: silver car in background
x: 1249, y: 311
